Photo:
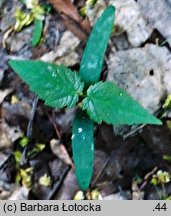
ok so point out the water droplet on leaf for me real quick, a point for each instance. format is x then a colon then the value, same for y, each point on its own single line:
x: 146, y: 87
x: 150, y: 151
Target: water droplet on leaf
x: 49, y: 67
x: 54, y: 74
x: 80, y: 130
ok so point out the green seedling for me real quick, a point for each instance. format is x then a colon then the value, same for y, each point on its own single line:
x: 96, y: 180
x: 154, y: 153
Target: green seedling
x: 167, y: 103
x: 167, y: 158
x: 24, y: 141
x: 96, y: 101
x: 88, y: 4
x: 24, y: 176
x: 35, y: 15
x: 161, y: 178
x: 90, y: 195
x: 45, y: 180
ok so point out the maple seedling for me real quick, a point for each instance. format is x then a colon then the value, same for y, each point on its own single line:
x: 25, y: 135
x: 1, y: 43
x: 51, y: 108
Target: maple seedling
x: 96, y: 101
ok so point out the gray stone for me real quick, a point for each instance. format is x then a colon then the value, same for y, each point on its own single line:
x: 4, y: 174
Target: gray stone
x: 158, y: 15
x: 144, y: 73
x: 128, y: 19
x: 8, y: 14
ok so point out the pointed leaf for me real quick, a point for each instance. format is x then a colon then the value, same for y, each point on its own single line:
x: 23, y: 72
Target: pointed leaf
x: 83, y: 148
x: 109, y: 103
x: 38, y: 29
x: 90, y: 72
x: 92, y: 60
x: 56, y: 84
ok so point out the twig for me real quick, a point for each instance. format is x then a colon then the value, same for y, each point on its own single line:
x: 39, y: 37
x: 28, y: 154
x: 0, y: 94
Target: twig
x: 72, y: 19
x: 133, y: 132
x: 57, y: 184
x: 24, y: 158
x: 147, y: 176
x: 100, y: 172
x: 52, y: 120
x: 55, y: 126
x: 30, y: 124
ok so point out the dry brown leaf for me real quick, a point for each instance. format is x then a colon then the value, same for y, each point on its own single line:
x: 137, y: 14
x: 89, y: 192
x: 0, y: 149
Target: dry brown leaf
x: 75, y: 27
x: 8, y: 135
x: 137, y: 194
x: 60, y: 151
x: 66, y: 7
x: 73, y: 21
x: 4, y: 93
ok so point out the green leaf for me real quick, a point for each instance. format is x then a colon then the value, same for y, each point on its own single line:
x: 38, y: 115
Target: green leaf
x: 38, y: 29
x: 109, y: 103
x: 92, y: 60
x: 56, y: 84
x: 91, y: 65
x: 24, y: 141
x: 83, y: 148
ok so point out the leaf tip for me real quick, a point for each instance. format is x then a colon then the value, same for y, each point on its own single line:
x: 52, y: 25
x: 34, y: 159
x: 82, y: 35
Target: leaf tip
x: 158, y: 122
x: 112, y: 8
x: 153, y: 120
